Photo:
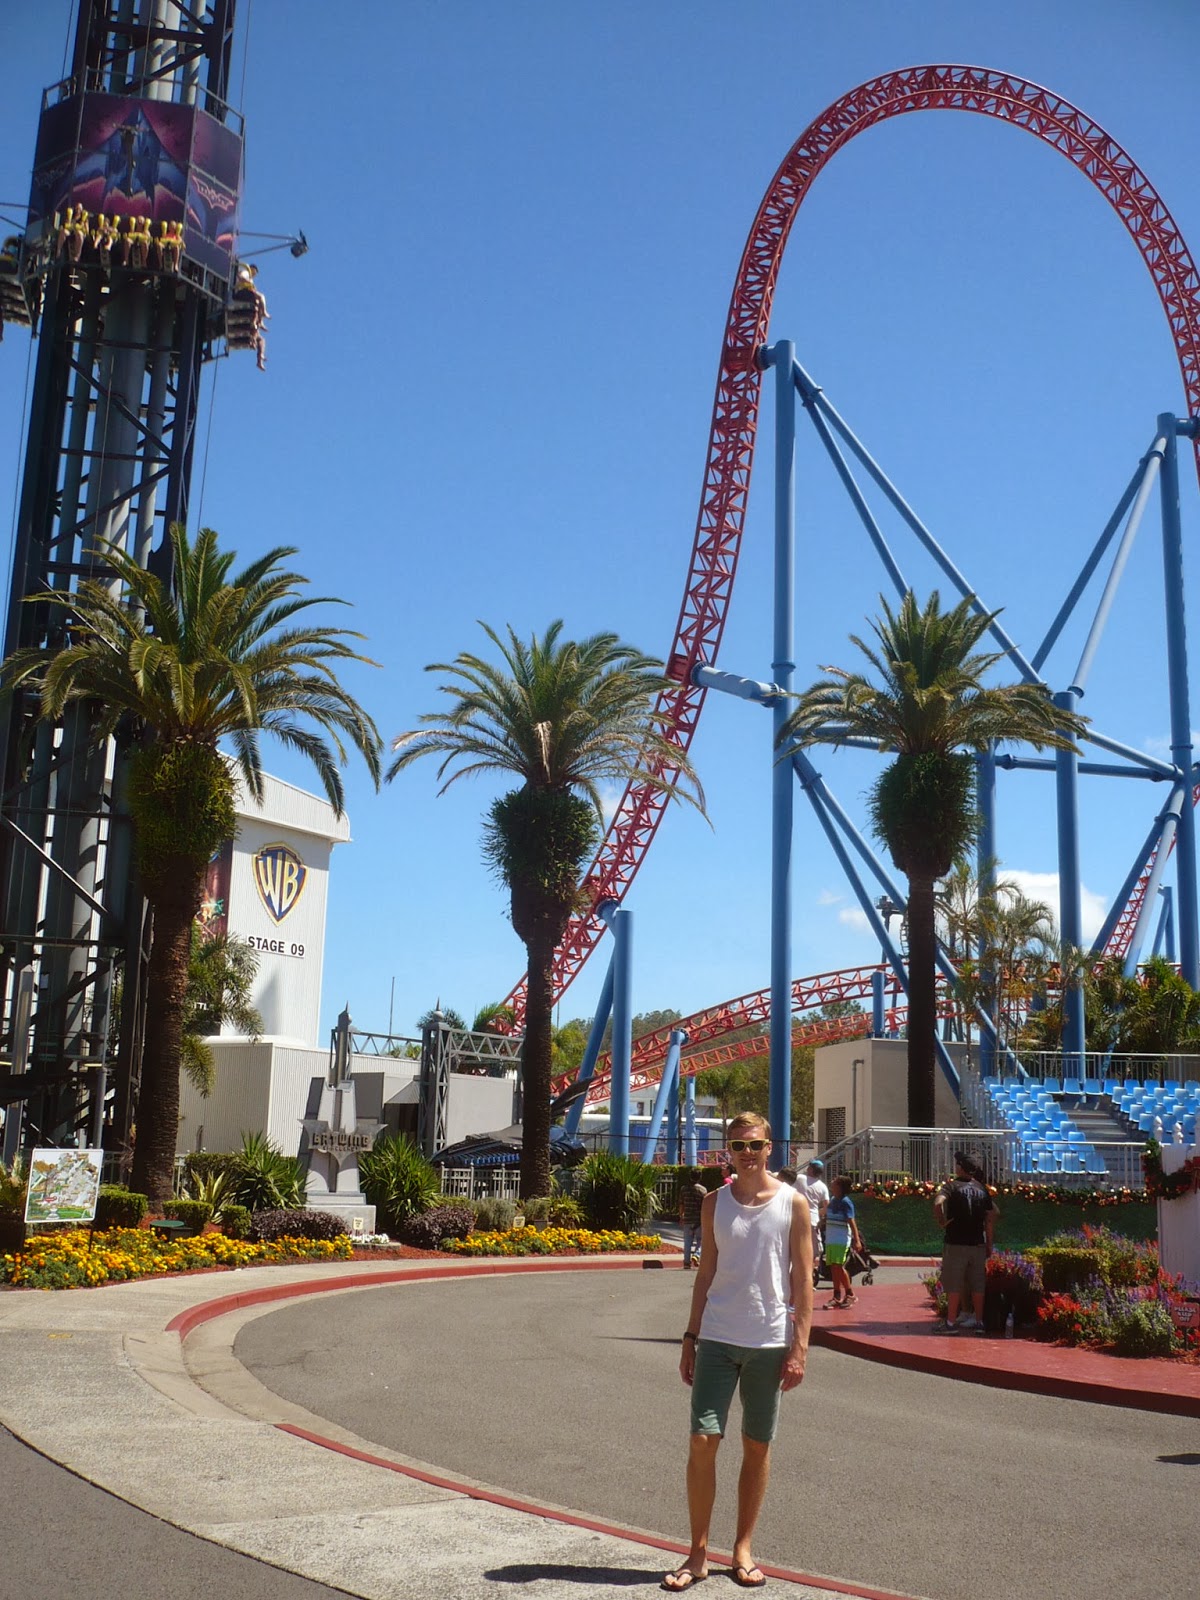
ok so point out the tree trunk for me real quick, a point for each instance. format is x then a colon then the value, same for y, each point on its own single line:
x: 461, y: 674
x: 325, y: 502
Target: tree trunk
x: 157, y: 1115
x: 922, y: 1002
x: 535, y: 1067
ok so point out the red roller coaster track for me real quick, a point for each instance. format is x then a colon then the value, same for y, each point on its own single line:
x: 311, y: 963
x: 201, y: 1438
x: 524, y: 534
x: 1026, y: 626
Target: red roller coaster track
x: 735, y: 410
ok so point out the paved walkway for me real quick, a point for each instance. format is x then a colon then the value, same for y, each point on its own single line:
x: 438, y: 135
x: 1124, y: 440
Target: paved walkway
x: 135, y: 1387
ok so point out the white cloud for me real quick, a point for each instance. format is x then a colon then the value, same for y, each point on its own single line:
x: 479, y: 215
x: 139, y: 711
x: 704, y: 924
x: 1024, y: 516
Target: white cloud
x: 828, y: 898
x: 854, y: 917
x: 1160, y: 744
x: 1044, y: 886
x: 610, y: 799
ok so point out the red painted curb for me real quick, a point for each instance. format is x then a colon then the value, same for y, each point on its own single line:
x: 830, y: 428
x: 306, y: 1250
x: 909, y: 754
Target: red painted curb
x: 1103, y: 1394
x: 533, y: 1509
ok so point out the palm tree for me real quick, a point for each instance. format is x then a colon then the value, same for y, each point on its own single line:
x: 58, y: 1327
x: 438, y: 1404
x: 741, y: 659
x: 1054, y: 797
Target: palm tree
x: 929, y: 708
x: 564, y: 718
x: 221, y: 972
x: 728, y: 1086
x: 177, y: 670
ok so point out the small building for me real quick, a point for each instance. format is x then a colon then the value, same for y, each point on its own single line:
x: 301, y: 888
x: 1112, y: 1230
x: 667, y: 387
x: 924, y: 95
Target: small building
x: 269, y: 886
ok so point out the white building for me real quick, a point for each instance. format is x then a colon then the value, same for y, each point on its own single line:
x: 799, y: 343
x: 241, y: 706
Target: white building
x: 270, y: 887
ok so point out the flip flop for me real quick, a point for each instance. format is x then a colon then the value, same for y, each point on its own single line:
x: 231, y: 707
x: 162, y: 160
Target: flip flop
x: 687, y: 1580
x: 741, y: 1575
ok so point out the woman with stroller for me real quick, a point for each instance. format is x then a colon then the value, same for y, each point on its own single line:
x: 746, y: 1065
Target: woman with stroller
x: 841, y: 1235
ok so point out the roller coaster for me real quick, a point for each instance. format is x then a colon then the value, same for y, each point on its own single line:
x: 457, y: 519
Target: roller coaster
x: 719, y: 529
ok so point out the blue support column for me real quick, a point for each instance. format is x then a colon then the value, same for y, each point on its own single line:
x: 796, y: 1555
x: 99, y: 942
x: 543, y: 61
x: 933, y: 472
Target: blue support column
x: 668, y: 1091
x: 985, y: 868
x: 674, y: 1132
x: 689, y: 1123
x: 1070, y: 912
x: 595, y: 1038
x: 783, y: 357
x: 877, y: 1009
x: 621, y: 924
x: 1181, y: 715
x: 1164, y: 936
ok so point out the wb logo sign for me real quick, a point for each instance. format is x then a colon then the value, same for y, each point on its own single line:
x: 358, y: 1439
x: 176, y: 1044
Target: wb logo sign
x: 279, y: 877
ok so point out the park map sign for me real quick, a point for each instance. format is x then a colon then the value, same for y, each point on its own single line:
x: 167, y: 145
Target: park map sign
x: 63, y: 1185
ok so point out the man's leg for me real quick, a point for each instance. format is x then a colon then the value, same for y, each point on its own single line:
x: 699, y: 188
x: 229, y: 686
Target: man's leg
x: 701, y: 1492
x: 752, y: 1489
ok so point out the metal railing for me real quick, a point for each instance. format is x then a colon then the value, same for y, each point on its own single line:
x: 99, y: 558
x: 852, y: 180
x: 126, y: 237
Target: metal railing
x: 481, y: 1183
x: 926, y: 1155
x: 1100, y: 1066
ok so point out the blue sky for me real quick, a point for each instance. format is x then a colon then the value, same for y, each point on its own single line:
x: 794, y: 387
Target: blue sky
x: 490, y: 380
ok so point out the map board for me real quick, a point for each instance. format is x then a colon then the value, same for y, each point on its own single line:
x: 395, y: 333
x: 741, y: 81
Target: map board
x: 63, y: 1185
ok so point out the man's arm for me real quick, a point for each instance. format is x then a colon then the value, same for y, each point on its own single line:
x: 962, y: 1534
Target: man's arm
x: 704, y: 1277
x: 800, y: 1245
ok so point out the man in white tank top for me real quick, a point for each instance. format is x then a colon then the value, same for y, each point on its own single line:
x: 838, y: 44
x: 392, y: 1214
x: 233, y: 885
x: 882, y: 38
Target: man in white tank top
x: 755, y: 1271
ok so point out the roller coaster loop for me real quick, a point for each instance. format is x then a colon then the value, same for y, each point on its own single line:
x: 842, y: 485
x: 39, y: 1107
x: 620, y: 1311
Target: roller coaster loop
x: 730, y: 456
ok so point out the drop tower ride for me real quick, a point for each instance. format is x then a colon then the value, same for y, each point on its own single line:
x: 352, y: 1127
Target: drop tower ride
x: 127, y: 278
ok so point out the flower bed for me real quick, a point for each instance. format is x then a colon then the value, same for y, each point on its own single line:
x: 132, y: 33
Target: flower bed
x: 77, y: 1259
x: 552, y: 1242
x: 1089, y: 1288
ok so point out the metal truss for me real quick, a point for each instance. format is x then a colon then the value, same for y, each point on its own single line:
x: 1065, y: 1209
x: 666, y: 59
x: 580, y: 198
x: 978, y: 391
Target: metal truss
x: 121, y: 342
x: 730, y: 454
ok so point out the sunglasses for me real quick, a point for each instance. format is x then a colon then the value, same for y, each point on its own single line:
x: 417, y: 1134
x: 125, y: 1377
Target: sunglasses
x: 738, y: 1145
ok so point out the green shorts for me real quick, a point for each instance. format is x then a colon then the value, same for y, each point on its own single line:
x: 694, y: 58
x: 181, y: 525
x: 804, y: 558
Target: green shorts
x: 836, y: 1255
x: 722, y: 1368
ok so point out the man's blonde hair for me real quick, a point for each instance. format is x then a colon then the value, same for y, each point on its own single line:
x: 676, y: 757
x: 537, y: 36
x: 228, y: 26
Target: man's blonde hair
x: 750, y: 1119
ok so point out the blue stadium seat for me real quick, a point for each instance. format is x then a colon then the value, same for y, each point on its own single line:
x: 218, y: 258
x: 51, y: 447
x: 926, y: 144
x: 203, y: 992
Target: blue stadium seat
x: 1051, y: 1086
x: 1072, y: 1086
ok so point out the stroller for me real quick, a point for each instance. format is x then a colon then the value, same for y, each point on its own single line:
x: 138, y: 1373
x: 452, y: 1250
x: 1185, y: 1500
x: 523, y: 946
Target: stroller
x: 857, y: 1261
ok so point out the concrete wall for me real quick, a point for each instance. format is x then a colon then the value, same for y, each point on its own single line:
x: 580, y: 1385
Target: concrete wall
x: 877, y: 1093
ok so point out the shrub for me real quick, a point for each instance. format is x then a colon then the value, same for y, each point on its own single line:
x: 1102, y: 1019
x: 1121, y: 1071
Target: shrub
x: 616, y: 1192
x: 493, y: 1215
x: 264, y: 1178
x: 398, y: 1181
x: 1066, y: 1268
x: 195, y: 1213
x: 553, y: 1211
x: 119, y: 1208
x: 1142, y: 1328
x: 206, y: 1164
x: 295, y: 1223
x: 431, y: 1228
x: 216, y: 1189
x: 237, y: 1221
x: 1017, y: 1281
x: 13, y: 1183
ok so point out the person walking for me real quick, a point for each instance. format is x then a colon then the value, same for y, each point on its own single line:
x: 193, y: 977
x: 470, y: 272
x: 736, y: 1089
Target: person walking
x: 691, y: 1197
x: 755, y: 1264
x: 841, y: 1232
x: 818, y: 1200
x: 967, y: 1212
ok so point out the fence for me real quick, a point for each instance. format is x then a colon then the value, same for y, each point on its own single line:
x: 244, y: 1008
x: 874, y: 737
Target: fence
x: 926, y: 1155
x: 1100, y: 1067
x: 481, y: 1183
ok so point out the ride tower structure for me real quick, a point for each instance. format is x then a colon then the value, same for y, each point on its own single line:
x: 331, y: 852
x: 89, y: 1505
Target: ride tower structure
x: 127, y: 278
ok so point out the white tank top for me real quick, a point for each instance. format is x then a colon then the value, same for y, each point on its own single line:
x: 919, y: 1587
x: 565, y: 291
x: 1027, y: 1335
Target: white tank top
x: 748, y: 1301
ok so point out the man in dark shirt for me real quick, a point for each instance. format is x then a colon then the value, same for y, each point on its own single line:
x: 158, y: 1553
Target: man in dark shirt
x: 691, y: 1198
x: 967, y: 1212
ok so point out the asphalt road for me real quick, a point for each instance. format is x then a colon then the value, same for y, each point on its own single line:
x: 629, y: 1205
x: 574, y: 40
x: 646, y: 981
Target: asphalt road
x: 63, y: 1539
x: 565, y: 1389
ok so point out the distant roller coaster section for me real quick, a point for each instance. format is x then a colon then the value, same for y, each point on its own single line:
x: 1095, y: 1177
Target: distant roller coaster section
x: 713, y: 562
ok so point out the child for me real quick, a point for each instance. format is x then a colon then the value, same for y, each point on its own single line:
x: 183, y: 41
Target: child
x: 841, y: 1231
